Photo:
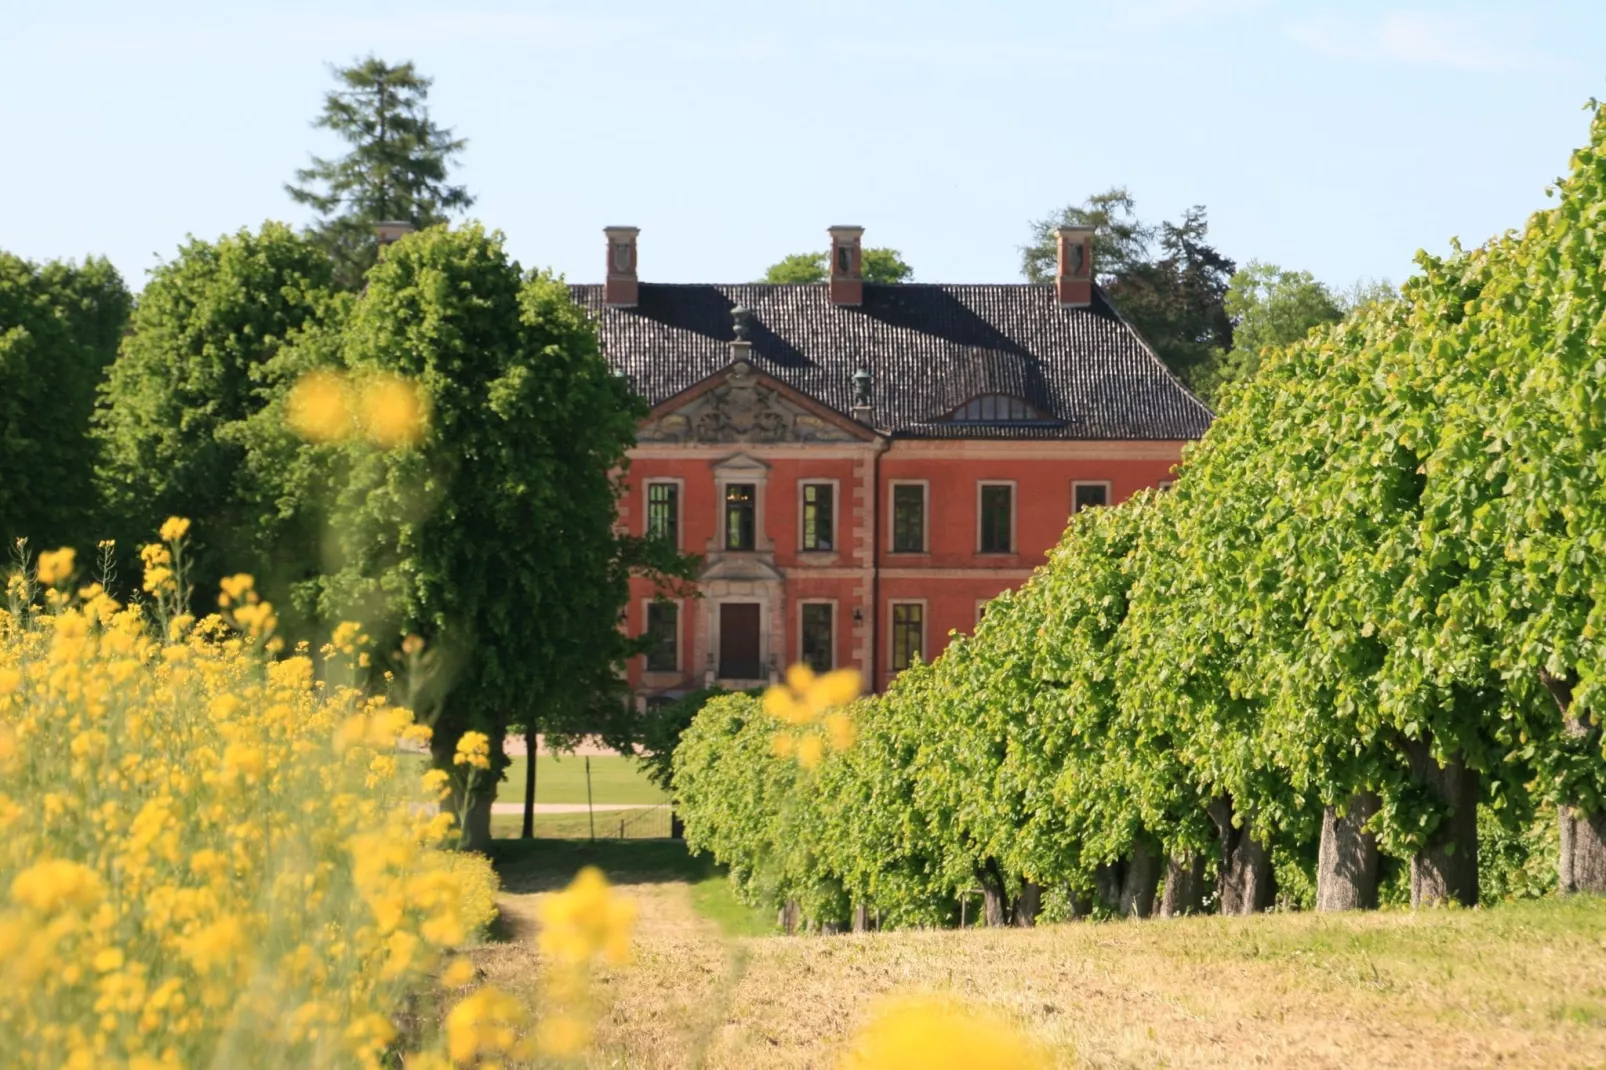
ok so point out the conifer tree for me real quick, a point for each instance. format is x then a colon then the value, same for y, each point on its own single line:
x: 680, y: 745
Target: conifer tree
x: 396, y: 169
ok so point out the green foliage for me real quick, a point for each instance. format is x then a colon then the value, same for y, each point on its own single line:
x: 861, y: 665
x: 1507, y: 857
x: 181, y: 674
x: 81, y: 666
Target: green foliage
x: 663, y: 727
x: 1385, y: 556
x: 1270, y: 307
x: 878, y: 265
x: 395, y: 172
x: 60, y: 324
x: 220, y: 334
x: 1166, y: 280
x: 493, y: 537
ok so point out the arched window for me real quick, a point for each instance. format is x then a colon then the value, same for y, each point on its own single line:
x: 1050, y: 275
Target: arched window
x: 995, y: 408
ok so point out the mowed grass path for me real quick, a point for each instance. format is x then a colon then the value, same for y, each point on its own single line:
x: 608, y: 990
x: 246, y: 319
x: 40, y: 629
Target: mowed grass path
x: 615, y: 780
x: 1519, y: 985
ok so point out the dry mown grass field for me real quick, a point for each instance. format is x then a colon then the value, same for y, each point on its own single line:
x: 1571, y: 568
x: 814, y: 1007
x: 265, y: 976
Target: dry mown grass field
x: 1519, y: 985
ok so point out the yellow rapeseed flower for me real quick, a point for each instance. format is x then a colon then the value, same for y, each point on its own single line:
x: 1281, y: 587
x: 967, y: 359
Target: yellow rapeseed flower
x: 585, y: 920
x: 174, y: 528
x: 486, y: 1022
x: 55, y: 566
x: 393, y: 411
x: 54, y: 885
x: 474, y: 750
x: 809, y: 700
x: 562, y: 1036
x: 317, y: 408
x: 934, y: 1033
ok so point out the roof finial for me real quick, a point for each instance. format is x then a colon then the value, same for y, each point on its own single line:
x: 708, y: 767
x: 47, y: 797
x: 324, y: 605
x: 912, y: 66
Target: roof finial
x: 741, y: 322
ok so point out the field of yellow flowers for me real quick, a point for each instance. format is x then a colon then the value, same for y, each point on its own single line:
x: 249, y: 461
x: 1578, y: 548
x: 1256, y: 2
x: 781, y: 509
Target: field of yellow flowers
x: 208, y: 856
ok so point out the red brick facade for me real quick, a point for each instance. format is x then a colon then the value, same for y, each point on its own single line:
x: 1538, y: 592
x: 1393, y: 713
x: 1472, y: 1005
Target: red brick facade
x: 863, y: 576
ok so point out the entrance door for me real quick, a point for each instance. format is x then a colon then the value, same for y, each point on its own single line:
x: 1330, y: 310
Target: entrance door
x: 738, y: 641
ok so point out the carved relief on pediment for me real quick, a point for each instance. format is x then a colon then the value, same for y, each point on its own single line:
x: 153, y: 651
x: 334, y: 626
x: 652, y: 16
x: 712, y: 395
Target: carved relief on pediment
x: 743, y: 408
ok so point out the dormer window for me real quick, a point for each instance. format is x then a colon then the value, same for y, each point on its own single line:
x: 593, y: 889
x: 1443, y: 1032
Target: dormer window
x: 995, y: 408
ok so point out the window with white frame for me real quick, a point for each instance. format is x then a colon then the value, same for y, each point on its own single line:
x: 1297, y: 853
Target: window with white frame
x: 996, y: 502
x: 817, y: 636
x: 819, y: 526
x: 908, y: 634
x: 663, y: 630
x: 1086, y: 494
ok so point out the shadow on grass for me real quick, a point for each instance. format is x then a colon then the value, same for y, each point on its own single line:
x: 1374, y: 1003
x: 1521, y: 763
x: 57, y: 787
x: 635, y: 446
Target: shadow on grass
x: 545, y: 865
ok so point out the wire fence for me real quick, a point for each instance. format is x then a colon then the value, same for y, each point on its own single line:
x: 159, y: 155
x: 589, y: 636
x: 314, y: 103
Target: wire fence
x: 652, y: 823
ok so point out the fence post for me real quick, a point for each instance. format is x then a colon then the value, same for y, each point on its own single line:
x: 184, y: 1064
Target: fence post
x: 590, y: 810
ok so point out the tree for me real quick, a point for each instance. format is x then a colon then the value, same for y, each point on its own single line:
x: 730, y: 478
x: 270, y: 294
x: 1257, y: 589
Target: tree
x: 218, y: 336
x: 491, y: 537
x: 396, y: 169
x: 1166, y: 280
x: 1270, y: 306
x: 879, y: 265
x: 60, y: 324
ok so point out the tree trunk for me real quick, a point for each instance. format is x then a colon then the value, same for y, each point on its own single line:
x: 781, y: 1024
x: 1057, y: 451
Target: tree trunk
x: 1107, y: 881
x: 789, y: 916
x: 478, y: 825
x: 1446, y: 868
x: 1028, y: 905
x: 1346, y: 865
x: 1583, y: 851
x: 1184, y: 885
x: 531, y: 744
x: 1245, y: 884
x: 1582, y: 863
x: 1139, y: 876
x: 476, y: 831
x: 861, y: 917
x: 995, y: 908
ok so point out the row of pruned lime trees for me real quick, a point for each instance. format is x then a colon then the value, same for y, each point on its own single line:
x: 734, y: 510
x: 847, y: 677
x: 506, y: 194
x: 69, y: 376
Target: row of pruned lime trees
x: 1361, y: 634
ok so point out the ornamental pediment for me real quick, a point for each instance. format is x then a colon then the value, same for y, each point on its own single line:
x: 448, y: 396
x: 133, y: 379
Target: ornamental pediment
x: 739, y: 405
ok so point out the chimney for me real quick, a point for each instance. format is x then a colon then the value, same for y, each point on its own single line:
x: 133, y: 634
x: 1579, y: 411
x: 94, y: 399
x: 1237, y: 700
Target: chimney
x: 391, y: 231
x: 847, y: 274
x: 620, y: 288
x: 1073, y: 278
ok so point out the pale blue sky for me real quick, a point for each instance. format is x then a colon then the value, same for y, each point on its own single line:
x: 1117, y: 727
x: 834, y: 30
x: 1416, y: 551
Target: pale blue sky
x: 1336, y: 137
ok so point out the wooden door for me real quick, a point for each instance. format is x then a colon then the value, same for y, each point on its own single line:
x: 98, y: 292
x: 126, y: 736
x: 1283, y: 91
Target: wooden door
x: 738, y: 641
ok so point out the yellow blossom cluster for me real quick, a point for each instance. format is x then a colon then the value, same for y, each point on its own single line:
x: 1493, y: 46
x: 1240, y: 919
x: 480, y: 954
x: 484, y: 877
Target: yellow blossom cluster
x: 585, y: 922
x: 925, y: 1032
x: 328, y: 406
x: 208, y: 857
x: 811, y: 704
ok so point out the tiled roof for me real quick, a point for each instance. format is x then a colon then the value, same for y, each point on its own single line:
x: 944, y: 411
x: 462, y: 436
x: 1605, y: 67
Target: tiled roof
x: 929, y: 349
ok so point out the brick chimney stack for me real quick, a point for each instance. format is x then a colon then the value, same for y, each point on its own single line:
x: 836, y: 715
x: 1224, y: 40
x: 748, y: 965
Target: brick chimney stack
x: 1073, y: 278
x: 847, y: 269
x: 620, y: 289
x: 391, y: 231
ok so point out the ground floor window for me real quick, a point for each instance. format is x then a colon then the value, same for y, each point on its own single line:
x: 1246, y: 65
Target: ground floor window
x: 663, y: 628
x: 817, y: 636
x: 908, y: 633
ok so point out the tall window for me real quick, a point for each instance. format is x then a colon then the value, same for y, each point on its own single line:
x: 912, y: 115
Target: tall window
x: 740, y: 503
x: 908, y: 633
x: 997, y: 518
x: 1084, y: 495
x: 663, y: 620
x: 817, y: 520
x: 908, y: 518
x: 817, y: 636
x: 663, y: 513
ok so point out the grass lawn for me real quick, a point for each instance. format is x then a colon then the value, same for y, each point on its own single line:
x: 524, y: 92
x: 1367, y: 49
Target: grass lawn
x: 567, y: 826
x: 1514, y: 985
x: 615, y: 779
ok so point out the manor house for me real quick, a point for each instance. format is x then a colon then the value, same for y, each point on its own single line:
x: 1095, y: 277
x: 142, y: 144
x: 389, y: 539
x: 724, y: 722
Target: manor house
x: 863, y: 466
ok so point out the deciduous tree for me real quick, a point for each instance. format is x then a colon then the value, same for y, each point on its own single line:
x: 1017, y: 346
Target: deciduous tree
x: 878, y: 265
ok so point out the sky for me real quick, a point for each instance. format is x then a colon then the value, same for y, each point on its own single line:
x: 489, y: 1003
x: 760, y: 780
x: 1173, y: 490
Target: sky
x: 1336, y: 137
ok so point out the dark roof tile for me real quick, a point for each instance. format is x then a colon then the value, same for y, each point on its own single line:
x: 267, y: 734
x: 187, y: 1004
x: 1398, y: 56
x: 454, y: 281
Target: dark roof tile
x: 929, y: 349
